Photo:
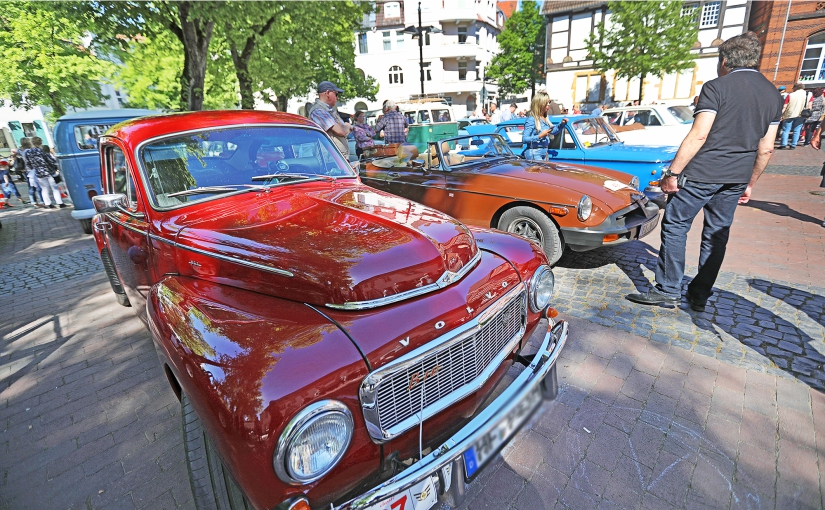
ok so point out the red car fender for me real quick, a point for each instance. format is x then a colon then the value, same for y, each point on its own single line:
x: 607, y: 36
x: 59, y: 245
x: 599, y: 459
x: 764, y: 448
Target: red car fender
x: 249, y: 363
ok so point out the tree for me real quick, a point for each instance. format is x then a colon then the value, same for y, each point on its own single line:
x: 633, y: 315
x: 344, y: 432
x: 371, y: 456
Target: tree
x: 519, y: 64
x: 45, y: 61
x: 643, y: 39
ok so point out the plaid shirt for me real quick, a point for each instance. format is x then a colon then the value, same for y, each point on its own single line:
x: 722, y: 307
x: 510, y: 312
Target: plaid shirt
x: 393, y: 123
x: 42, y: 163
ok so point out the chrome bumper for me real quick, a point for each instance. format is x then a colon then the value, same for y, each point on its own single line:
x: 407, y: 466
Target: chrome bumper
x: 453, y: 449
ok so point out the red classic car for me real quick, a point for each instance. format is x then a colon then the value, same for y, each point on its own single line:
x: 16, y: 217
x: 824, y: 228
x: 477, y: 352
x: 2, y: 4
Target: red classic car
x: 332, y: 345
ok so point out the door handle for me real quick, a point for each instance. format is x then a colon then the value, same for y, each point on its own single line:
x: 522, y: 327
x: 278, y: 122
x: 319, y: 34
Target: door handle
x: 102, y: 226
x: 394, y: 174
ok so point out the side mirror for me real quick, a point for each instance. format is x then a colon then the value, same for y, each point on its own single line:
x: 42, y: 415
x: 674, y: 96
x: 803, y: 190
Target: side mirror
x: 112, y: 202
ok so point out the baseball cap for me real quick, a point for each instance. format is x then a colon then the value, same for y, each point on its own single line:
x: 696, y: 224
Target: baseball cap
x: 326, y: 86
x: 781, y: 87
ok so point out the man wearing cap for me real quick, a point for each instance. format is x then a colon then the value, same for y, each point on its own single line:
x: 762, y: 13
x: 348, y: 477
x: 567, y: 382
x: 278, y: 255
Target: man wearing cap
x: 324, y: 113
x: 393, y: 123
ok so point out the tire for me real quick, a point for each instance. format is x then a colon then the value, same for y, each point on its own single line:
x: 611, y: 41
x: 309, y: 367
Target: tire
x: 536, y: 226
x: 86, y: 225
x: 212, y: 486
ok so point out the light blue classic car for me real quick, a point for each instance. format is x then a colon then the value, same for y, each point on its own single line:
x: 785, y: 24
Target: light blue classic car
x: 591, y: 141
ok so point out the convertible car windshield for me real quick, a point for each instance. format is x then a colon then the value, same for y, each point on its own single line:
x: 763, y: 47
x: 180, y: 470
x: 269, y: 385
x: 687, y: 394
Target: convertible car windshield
x: 198, y: 166
x: 466, y: 149
x: 593, y: 131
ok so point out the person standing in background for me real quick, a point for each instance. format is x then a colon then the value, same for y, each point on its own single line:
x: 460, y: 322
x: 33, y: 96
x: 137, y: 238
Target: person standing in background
x: 538, y: 128
x: 817, y: 105
x: 791, y: 120
x: 44, y: 167
x: 363, y: 133
x: 324, y: 113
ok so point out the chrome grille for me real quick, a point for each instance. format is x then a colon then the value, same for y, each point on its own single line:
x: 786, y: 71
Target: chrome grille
x: 465, y: 360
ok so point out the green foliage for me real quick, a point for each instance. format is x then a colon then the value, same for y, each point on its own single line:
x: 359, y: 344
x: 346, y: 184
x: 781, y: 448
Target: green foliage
x: 645, y: 38
x: 518, y: 66
x: 45, y: 61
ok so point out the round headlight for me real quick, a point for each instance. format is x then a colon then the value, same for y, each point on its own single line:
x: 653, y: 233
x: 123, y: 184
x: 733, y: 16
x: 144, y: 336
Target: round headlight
x: 634, y: 183
x: 585, y: 207
x: 541, y: 288
x: 313, y: 442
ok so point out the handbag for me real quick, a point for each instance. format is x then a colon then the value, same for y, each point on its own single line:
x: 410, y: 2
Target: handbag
x: 57, y: 178
x: 805, y: 113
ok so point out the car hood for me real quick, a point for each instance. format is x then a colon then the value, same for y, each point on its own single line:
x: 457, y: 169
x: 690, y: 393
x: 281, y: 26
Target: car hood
x: 576, y: 179
x: 636, y: 153
x: 335, y: 245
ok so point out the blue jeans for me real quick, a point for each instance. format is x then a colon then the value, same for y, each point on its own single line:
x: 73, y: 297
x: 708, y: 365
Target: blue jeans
x: 788, y: 124
x: 719, y: 202
x: 535, y: 153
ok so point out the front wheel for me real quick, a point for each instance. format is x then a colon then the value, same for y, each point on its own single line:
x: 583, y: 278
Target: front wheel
x: 212, y: 486
x: 536, y: 226
x: 86, y: 225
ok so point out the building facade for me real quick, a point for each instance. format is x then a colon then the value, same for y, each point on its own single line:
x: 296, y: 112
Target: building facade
x: 793, y: 38
x: 572, y: 80
x: 454, y: 56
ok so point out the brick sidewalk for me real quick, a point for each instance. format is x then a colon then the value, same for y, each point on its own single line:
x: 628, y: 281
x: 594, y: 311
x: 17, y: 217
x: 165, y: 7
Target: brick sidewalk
x: 660, y: 408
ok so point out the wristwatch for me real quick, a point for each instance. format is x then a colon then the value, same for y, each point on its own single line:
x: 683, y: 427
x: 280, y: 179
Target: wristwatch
x: 667, y: 173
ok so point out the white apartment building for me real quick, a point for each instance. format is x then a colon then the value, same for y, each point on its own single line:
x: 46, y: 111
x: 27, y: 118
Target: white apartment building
x: 572, y: 80
x: 454, y: 60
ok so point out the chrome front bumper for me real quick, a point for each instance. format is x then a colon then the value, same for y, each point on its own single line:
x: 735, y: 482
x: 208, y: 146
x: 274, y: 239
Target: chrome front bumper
x: 453, y: 449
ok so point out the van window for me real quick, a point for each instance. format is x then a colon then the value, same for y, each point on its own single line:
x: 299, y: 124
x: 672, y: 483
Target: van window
x: 424, y: 117
x: 410, y: 117
x: 86, y: 135
x: 442, y: 115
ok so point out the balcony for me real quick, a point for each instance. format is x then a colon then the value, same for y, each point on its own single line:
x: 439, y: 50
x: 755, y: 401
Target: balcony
x: 450, y: 47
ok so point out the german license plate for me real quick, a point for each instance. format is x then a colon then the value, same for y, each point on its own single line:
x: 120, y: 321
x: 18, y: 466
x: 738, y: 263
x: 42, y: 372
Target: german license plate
x: 648, y: 227
x: 421, y: 496
x: 489, y: 444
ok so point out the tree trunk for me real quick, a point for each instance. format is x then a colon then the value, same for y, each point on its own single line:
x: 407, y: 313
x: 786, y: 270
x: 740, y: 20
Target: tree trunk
x: 195, y: 36
x: 641, y: 87
x: 241, y: 60
x: 57, y: 107
x: 283, y: 99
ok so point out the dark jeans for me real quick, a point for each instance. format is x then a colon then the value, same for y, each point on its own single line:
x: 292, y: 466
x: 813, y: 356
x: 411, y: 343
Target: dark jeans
x: 719, y: 203
x: 810, y: 127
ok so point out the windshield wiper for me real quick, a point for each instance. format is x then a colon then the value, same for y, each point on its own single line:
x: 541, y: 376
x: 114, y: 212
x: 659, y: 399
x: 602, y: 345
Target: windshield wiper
x: 292, y: 176
x: 202, y: 189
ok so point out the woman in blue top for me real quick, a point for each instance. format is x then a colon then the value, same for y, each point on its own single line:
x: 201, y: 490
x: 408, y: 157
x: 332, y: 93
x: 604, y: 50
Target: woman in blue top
x: 538, y: 128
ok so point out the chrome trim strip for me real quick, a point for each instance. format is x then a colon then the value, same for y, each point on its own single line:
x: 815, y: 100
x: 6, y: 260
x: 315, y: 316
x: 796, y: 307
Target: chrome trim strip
x: 369, y: 387
x: 452, y: 449
x: 161, y: 239
x: 446, y: 279
x: 125, y: 225
x: 262, y: 267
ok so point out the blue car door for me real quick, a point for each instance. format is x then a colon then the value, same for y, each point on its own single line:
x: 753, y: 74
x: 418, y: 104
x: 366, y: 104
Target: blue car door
x: 564, y: 147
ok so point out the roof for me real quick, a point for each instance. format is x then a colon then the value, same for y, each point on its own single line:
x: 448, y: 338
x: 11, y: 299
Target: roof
x: 135, y: 131
x: 508, y: 7
x: 560, y: 6
x: 108, y: 114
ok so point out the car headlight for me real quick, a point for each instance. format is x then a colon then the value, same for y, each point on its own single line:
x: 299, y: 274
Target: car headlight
x: 313, y: 442
x: 584, y: 208
x: 634, y: 183
x: 541, y: 288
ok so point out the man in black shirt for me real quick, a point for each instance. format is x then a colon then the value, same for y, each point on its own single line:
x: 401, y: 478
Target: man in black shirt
x: 727, y: 149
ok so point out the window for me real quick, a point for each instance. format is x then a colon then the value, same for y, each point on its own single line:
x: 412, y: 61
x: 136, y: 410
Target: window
x: 387, y: 41
x: 427, y: 75
x: 462, y: 35
x: 362, y: 44
x: 813, y: 63
x: 690, y: 10
x: 710, y: 15
x: 441, y: 115
x: 396, y: 75
x: 119, y: 176
x: 392, y: 10
x: 462, y: 70
x: 86, y: 135
x: 399, y: 40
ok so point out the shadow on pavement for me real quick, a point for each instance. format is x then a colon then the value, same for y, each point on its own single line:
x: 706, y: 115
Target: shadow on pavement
x: 780, y: 209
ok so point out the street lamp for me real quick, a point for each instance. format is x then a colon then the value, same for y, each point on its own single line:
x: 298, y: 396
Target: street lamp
x: 418, y: 32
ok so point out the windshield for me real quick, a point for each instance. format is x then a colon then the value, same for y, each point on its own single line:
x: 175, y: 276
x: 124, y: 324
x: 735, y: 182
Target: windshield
x: 593, y: 131
x: 682, y: 113
x: 199, y: 166
x: 468, y: 149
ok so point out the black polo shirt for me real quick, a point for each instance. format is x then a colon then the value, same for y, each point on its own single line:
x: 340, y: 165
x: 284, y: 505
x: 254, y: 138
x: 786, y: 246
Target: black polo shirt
x: 745, y: 104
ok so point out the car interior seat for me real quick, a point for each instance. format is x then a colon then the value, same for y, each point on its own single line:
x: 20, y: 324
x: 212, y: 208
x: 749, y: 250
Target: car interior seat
x: 450, y: 158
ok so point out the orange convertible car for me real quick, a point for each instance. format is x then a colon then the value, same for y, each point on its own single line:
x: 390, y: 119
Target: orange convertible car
x: 478, y: 180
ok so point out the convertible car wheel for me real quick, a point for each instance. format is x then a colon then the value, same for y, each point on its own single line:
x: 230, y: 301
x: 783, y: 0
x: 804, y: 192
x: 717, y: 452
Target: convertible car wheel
x: 212, y: 486
x: 536, y: 226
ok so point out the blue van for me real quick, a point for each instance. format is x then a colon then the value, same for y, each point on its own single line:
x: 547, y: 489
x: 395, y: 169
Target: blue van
x: 75, y: 139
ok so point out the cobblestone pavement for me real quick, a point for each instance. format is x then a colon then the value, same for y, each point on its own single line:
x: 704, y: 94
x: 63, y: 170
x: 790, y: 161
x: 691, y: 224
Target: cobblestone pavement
x: 659, y: 408
x: 793, y: 170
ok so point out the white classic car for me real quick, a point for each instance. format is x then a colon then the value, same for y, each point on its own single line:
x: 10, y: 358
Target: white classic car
x: 656, y: 124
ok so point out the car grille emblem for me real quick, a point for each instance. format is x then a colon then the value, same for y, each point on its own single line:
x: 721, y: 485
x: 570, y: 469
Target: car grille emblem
x: 470, y: 310
x: 405, y: 342
x: 489, y: 295
x: 420, y: 377
x: 439, y: 324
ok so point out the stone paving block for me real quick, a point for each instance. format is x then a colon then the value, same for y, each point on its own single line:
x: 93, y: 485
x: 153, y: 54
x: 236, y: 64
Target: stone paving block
x: 693, y: 406
x: 544, y: 490
x: 527, y: 453
x: 797, y: 427
x: 760, y: 398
